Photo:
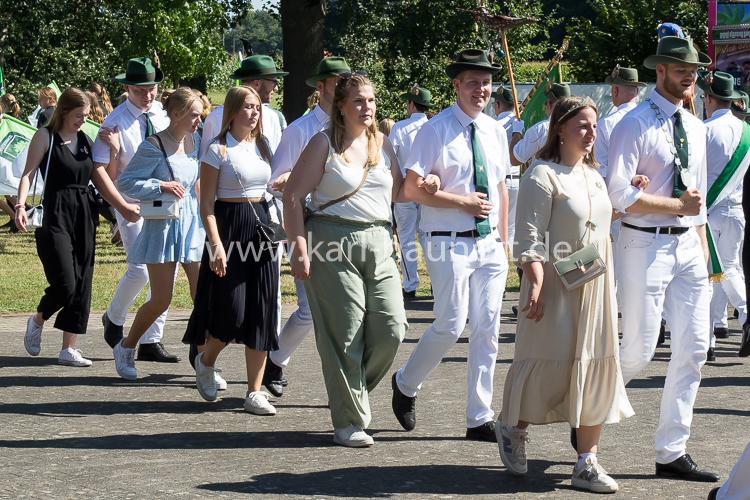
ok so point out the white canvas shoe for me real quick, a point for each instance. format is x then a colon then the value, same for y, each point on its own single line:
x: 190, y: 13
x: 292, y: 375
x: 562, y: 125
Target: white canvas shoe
x: 593, y: 477
x: 512, y: 444
x: 352, y: 437
x: 32, y: 340
x: 205, y: 379
x: 73, y: 357
x: 125, y: 362
x: 257, y: 403
x: 221, y: 384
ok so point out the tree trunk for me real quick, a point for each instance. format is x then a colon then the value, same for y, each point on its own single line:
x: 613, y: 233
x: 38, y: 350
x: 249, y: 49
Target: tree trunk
x: 302, y: 24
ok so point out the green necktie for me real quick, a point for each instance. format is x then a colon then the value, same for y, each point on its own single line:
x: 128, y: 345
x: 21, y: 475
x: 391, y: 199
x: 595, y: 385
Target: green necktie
x: 481, y: 183
x: 681, y: 145
x: 149, y: 126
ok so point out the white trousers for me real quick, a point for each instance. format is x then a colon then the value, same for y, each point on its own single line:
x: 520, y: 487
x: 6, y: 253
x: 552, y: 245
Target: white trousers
x: 669, y: 273
x: 468, y: 279
x: 728, y: 228
x: 737, y: 486
x: 512, y: 185
x: 298, y: 326
x: 131, y: 284
x: 407, y: 223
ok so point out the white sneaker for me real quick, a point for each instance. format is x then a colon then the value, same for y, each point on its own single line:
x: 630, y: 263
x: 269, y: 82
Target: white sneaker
x: 125, y: 361
x: 512, y: 444
x: 32, y: 341
x: 221, y: 384
x: 205, y: 379
x: 593, y: 477
x: 352, y: 437
x: 72, y: 357
x: 257, y: 403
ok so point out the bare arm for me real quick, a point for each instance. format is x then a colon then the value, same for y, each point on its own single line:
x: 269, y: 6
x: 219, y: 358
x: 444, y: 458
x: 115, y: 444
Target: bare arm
x: 476, y: 203
x: 513, y: 141
x: 688, y: 204
x: 209, y: 182
x: 37, y: 150
x: 306, y: 175
x: 108, y: 191
x: 397, y: 195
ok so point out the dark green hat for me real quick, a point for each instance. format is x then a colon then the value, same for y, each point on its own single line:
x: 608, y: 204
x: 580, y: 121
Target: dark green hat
x: 741, y: 106
x: 624, y: 76
x: 140, y: 72
x: 469, y: 59
x: 328, y: 67
x: 675, y: 50
x: 418, y: 95
x: 557, y: 90
x: 719, y: 85
x: 257, y: 67
x: 503, y: 94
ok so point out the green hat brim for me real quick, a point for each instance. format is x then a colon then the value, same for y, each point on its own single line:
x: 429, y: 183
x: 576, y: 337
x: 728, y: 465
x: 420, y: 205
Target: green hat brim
x: 408, y: 96
x: 626, y: 83
x: 313, y: 80
x: 123, y: 78
x: 454, y: 69
x: 499, y: 97
x: 709, y: 91
x: 738, y: 111
x: 651, y: 61
x: 240, y: 74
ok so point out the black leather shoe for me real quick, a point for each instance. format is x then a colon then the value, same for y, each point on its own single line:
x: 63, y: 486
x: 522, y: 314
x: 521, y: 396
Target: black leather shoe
x: 404, y: 407
x: 156, y: 352
x: 745, y: 345
x: 662, y: 333
x: 272, y: 378
x: 485, y: 432
x: 712, y: 493
x: 685, y: 469
x: 409, y: 295
x: 574, y: 439
x: 112, y: 332
x: 514, y: 310
x: 736, y: 314
x: 721, y: 333
x: 711, y: 356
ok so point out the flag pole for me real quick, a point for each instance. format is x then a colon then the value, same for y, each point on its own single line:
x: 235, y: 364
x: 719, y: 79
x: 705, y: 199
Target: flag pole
x: 511, y: 76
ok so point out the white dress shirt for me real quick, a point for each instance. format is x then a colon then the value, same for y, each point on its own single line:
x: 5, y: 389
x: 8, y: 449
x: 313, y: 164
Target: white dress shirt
x: 533, y: 140
x: 604, y: 131
x: 270, y: 126
x: 129, y: 120
x: 506, y: 119
x: 641, y: 145
x: 443, y: 147
x: 295, y: 138
x: 723, y: 134
x: 402, y: 137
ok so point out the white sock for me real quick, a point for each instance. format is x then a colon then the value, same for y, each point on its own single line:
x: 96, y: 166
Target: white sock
x: 582, y: 459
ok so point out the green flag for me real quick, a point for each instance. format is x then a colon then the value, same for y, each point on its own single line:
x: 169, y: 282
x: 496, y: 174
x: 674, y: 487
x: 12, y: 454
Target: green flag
x: 54, y: 87
x: 91, y: 128
x: 535, y: 111
x: 15, y: 136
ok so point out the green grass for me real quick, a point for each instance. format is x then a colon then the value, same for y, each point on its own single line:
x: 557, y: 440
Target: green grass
x: 22, y: 279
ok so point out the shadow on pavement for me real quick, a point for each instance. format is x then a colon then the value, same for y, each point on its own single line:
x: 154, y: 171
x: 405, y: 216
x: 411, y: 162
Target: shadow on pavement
x: 150, y: 380
x: 387, y: 481
x: 79, y: 409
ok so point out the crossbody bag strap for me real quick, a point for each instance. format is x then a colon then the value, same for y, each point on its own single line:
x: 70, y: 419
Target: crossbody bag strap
x: 239, y: 181
x: 164, y: 152
x: 46, y: 168
x: 589, y: 223
x: 349, y: 195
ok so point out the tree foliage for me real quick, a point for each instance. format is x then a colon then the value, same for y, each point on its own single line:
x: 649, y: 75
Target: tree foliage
x: 261, y: 28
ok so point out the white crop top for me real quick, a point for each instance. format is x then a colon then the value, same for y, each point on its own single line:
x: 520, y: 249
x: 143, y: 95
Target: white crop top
x: 239, y: 159
x: 371, y: 203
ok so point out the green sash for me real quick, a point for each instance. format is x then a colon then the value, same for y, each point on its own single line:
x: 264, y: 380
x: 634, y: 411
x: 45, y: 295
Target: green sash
x: 727, y: 181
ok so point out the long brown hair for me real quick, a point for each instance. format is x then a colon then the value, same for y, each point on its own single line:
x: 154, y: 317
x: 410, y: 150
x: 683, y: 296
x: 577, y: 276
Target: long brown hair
x: 103, y: 96
x: 337, y: 127
x: 232, y: 105
x: 71, y: 99
x: 96, y: 114
x: 9, y: 106
x: 564, y: 110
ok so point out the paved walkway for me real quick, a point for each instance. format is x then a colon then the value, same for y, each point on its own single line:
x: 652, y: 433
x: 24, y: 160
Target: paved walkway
x: 73, y: 433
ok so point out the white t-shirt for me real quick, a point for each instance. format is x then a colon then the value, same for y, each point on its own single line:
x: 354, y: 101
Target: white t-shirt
x: 243, y: 173
x: 269, y: 124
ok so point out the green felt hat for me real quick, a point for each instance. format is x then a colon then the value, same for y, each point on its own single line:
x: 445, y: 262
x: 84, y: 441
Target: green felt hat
x: 741, y: 106
x: 328, y: 67
x: 418, y: 95
x: 503, y: 94
x: 469, y: 59
x: 557, y: 91
x: 675, y: 50
x: 140, y: 72
x: 624, y: 76
x: 719, y: 85
x: 257, y: 67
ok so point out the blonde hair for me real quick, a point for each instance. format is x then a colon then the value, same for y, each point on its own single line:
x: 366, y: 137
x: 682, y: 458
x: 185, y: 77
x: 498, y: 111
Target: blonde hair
x: 71, y: 99
x: 233, y: 103
x: 49, y: 93
x: 564, y: 110
x: 9, y: 106
x: 313, y: 100
x: 207, y: 106
x: 385, y: 126
x: 337, y: 127
x: 96, y: 114
x: 102, y: 96
x: 165, y: 95
x: 180, y: 102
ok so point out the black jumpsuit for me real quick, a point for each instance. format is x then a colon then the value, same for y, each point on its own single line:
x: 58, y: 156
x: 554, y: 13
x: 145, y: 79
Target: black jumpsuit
x: 65, y: 242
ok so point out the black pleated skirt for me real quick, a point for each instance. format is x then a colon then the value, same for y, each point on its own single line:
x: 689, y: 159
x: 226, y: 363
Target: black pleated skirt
x: 241, y: 306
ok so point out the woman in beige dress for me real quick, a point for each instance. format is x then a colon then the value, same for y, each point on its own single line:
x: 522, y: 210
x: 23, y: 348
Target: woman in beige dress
x: 566, y: 366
